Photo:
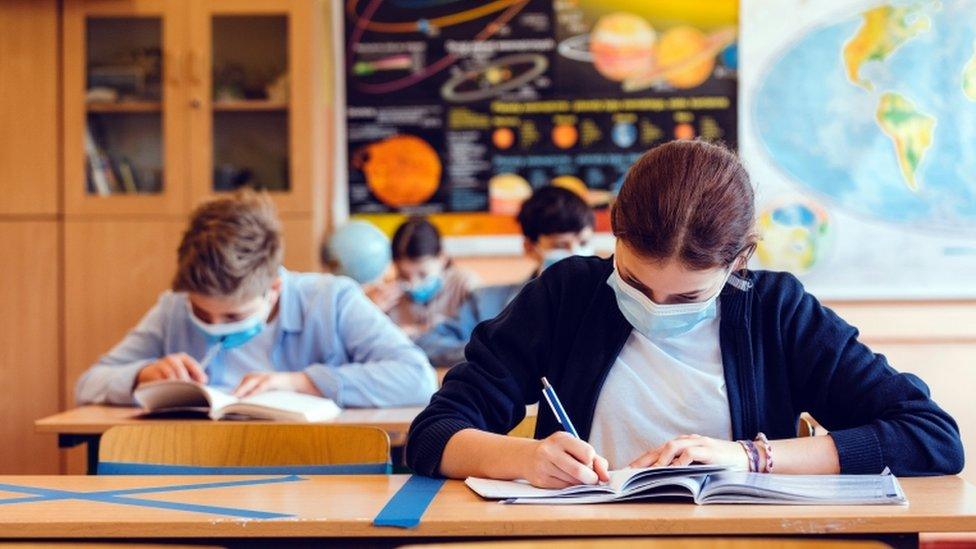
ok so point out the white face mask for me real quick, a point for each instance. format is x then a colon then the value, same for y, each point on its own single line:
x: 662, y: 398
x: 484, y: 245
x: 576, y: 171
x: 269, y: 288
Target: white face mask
x: 237, y: 333
x: 657, y: 320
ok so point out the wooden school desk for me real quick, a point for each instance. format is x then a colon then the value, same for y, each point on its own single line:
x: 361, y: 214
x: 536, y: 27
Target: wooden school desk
x: 330, y: 507
x: 85, y: 424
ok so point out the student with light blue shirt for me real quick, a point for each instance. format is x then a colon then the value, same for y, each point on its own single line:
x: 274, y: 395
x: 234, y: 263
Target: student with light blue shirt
x: 237, y: 320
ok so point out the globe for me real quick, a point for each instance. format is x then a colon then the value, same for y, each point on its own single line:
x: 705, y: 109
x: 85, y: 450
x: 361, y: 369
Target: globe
x: 360, y: 251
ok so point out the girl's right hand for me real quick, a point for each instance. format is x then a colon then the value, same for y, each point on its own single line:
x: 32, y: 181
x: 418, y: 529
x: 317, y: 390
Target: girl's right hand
x: 562, y: 460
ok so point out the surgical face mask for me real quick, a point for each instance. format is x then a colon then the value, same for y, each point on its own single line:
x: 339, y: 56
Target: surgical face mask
x: 654, y: 320
x: 237, y: 333
x: 426, y: 290
x: 551, y: 257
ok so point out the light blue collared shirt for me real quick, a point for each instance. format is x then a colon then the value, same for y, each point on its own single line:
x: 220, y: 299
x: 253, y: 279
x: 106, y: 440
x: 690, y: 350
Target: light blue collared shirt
x: 325, y: 327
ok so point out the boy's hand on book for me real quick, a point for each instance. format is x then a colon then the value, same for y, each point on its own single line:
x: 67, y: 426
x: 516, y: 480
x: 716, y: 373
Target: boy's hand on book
x: 562, y: 460
x: 688, y: 449
x: 258, y: 382
x: 179, y: 366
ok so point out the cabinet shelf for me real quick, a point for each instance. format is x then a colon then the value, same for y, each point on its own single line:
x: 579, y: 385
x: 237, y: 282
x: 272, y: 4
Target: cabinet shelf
x: 126, y: 107
x: 249, y: 105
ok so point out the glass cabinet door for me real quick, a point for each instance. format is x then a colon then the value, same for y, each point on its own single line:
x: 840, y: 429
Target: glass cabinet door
x: 250, y: 121
x: 121, y: 125
x: 249, y: 94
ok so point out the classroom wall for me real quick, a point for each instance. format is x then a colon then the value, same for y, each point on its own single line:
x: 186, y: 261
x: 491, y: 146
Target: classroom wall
x: 30, y: 237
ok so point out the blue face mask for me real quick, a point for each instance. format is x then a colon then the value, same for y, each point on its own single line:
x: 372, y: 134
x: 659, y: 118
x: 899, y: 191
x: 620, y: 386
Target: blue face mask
x: 654, y: 320
x: 552, y: 257
x: 233, y: 334
x: 424, y: 292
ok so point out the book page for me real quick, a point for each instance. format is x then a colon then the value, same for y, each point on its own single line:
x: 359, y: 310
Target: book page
x: 829, y: 489
x: 171, y: 394
x: 286, y: 406
x: 509, y: 489
x: 218, y: 400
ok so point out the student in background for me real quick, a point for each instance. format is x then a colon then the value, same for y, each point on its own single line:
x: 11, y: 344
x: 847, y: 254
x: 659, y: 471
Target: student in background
x: 261, y: 327
x: 672, y: 352
x: 429, y: 288
x: 556, y: 223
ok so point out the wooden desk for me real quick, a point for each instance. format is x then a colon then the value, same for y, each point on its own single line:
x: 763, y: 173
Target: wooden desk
x: 85, y: 424
x: 344, y: 507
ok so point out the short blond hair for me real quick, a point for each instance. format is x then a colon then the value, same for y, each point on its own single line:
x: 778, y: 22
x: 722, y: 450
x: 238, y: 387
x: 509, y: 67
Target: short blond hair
x: 231, y: 248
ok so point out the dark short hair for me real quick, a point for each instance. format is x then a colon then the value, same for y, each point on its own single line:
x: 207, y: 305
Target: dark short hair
x: 416, y: 238
x: 232, y: 247
x: 689, y: 200
x: 554, y: 210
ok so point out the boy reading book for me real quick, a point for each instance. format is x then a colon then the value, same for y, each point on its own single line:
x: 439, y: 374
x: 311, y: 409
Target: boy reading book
x: 236, y: 320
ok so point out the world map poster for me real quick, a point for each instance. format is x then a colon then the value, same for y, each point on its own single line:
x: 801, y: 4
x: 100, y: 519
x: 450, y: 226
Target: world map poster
x: 858, y: 126
x: 459, y: 109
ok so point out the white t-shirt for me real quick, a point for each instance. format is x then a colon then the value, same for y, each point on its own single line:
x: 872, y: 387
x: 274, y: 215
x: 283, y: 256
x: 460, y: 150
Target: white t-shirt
x: 657, y: 390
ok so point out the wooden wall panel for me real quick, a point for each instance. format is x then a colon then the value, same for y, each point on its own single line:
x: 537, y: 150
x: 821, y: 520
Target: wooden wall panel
x: 114, y: 271
x: 29, y: 361
x: 29, y: 154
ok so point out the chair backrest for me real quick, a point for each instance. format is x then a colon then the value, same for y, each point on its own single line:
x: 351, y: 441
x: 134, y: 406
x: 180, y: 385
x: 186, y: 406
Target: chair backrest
x: 239, y: 448
x: 525, y: 429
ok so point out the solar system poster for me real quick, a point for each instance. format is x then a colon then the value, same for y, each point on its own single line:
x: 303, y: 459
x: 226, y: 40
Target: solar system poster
x: 459, y: 109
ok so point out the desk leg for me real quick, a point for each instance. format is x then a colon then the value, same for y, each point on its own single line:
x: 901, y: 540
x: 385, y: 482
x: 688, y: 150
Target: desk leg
x: 72, y: 440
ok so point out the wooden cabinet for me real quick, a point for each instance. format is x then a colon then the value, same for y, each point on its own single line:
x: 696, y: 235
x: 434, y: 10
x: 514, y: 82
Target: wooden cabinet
x: 169, y: 102
x: 28, y: 107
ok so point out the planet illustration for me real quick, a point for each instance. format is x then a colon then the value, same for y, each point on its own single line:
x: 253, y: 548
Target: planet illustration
x: 401, y: 170
x: 795, y: 235
x: 497, y: 77
x: 506, y: 192
x: 684, y: 131
x: 593, y: 197
x: 625, y: 48
x: 623, y: 134
x: 503, y: 138
x: 622, y: 46
x: 564, y: 136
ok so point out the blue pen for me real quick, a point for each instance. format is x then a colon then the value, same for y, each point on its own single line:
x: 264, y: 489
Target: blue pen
x: 557, y: 408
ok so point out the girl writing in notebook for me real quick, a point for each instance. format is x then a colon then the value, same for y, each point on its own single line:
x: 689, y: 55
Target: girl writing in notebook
x: 672, y: 352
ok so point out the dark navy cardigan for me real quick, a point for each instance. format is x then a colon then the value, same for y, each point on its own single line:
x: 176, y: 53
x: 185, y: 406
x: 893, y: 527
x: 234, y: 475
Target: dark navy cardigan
x: 782, y: 351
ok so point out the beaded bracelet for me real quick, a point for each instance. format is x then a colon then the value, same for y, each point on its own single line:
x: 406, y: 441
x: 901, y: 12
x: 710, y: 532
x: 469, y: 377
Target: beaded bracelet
x: 752, y: 453
x: 761, y: 438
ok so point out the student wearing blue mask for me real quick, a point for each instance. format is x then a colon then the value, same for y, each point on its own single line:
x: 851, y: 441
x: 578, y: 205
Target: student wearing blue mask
x: 235, y: 319
x: 672, y: 352
x: 429, y: 288
x: 556, y: 223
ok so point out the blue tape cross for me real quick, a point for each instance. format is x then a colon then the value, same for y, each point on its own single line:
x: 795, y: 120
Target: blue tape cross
x: 120, y: 497
x: 409, y: 503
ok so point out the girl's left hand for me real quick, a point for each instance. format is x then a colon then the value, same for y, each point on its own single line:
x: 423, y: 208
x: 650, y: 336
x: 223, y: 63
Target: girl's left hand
x: 687, y: 449
x: 258, y: 382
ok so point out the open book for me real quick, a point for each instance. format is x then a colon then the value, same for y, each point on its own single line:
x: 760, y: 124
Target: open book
x: 172, y: 396
x: 706, y: 484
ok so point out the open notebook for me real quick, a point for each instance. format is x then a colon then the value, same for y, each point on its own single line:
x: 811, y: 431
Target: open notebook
x: 172, y: 397
x: 706, y: 484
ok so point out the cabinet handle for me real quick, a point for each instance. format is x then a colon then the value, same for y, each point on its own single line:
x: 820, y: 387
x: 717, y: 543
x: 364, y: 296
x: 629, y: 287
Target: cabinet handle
x: 195, y: 103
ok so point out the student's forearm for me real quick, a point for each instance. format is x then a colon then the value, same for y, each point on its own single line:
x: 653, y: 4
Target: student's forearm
x: 474, y: 453
x: 807, y: 455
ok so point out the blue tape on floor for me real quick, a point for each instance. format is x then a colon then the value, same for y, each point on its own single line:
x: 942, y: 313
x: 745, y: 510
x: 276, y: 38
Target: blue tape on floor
x: 409, y: 503
x: 124, y: 468
x: 119, y: 497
